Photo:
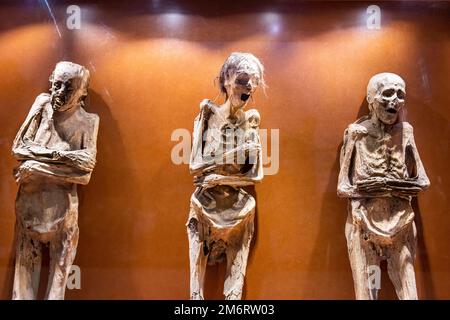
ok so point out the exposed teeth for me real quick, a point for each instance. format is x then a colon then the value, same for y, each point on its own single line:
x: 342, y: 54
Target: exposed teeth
x: 391, y: 110
x: 58, y: 101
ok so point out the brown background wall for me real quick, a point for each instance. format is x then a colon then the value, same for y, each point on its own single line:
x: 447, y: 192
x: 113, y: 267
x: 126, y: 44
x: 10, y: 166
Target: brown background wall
x: 152, y: 64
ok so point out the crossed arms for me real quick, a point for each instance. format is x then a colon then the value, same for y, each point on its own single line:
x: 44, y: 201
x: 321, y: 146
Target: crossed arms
x: 74, y: 166
x: 201, y: 168
x: 379, y: 186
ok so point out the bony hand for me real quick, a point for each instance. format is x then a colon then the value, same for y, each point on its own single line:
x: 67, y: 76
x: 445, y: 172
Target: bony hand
x: 371, y: 182
x: 408, y: 191
x: 198, y: 180
x: 17, y: 174
x: 211, y: 180
x: 22, y: 173
x: 57, y: 155
x: 204, y: 181
x: 374, y: 184
x: 403, y: 184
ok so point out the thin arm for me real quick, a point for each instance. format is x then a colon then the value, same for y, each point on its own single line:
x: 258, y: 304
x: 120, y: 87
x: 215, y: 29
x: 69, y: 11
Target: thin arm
x: 59, y: 172
x: 345, y: 188
x: 26, y: 134
x: 421, y: 176
x: 84, y: 159
x: 196, y: 163
x: 254, y: 175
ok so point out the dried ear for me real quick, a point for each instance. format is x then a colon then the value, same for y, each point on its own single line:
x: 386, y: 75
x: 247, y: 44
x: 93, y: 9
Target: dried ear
x: 84, y: 99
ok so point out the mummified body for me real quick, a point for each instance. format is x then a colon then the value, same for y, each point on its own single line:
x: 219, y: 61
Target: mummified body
x: 56, y: 146
x: 226, y: 156
x: 380, y: 171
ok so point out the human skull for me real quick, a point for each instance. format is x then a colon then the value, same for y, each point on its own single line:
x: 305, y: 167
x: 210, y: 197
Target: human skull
x: 386, y: 96
x: 69, y: 84
x: 240, y: 76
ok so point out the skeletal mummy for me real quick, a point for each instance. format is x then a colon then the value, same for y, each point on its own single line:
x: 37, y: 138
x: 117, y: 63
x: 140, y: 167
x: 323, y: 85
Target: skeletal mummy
x: 380, y: 171
x: 226, y: 156
x: 56, y: 147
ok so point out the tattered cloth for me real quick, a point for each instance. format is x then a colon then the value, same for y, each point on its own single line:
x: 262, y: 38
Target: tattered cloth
x: 222, y: 212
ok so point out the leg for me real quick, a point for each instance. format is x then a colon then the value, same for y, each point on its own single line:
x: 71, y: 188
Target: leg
x: 28, y: 266
x: 197, y: 260
x: 363, y: 258
x: 63, y: 249
x: 237, y: 256
x: 401, y: 265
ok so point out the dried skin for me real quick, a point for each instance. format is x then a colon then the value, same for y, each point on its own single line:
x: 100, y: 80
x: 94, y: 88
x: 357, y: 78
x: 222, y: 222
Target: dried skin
x: 380, y: 171
x: 56, y: 147
x: 226, y: 156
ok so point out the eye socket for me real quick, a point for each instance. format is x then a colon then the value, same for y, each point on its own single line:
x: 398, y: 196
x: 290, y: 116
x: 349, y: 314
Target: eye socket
x: 388, y: 93
x: 57, y: 84
x: 401, y: 94
x: 242, y: 79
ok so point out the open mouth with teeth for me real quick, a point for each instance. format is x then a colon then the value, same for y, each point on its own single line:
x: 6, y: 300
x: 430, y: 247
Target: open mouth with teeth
x: 245, y: 96
x: 58, y: 101
x: 391, y: 110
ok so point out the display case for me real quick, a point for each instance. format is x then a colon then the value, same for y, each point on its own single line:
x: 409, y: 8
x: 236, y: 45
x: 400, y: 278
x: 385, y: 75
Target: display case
x: 153, y: 62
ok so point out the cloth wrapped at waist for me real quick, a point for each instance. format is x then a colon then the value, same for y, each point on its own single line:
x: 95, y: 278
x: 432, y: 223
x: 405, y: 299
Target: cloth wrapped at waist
x: 222, y: 211
x: 382, y: 218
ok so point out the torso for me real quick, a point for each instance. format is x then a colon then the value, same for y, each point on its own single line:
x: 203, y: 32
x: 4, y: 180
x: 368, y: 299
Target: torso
x: 382, y: 217
x: 381, y: 156
x: 223, y: 210
x: 222, y: 135
x: 56, y: 132
x: 42, y: 202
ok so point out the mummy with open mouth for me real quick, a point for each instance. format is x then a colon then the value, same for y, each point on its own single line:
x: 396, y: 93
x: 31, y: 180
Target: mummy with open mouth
x: 59, y: 101
x: 379, y: 186
x: 391, y: 110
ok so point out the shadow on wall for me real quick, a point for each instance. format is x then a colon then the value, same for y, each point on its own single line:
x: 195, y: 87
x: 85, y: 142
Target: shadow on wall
x: 113, y: 211
x: 329, y: 247
x: 426, y: 284
x: 9, y: 278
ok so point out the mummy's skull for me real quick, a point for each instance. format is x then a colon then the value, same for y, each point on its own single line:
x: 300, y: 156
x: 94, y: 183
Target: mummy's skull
x: 386, y: 96
x: 69, y: 84
x: 240, y: 76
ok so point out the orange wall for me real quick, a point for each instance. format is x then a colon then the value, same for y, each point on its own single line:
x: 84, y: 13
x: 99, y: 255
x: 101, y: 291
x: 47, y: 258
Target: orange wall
x: 150, y: 70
